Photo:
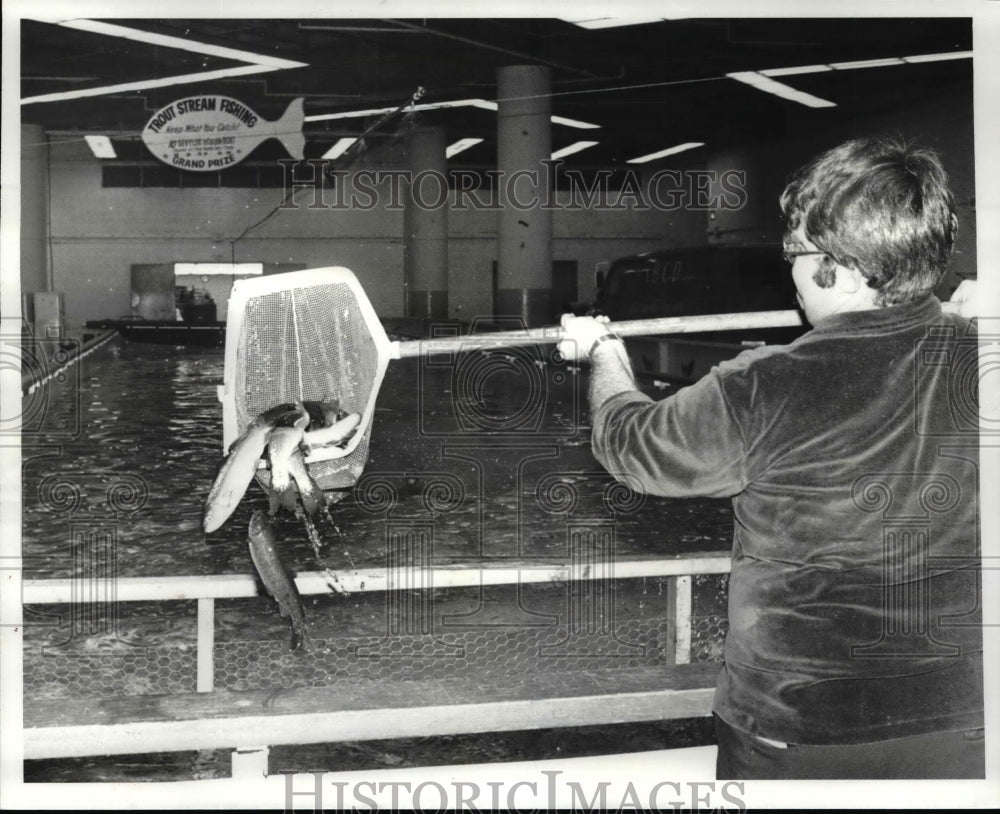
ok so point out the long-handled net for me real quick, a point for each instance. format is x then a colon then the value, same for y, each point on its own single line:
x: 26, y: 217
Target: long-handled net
x: 314, y: 335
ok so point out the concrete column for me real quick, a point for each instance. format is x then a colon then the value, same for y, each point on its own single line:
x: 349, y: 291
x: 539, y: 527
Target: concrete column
x: 425, y: 226
x: 34, y: 210
x: 524, y: 236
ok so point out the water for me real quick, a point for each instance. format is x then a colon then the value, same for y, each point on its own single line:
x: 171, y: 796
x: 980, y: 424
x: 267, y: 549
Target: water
x: 492, y: 453
x: 123, y: 448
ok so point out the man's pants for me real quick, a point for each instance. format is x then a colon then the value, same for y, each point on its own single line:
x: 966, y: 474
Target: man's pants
x: 942, y: 755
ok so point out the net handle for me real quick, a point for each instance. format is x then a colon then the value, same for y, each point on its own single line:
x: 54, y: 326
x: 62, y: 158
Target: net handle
x: 740, y: 321
x: 635, y: 327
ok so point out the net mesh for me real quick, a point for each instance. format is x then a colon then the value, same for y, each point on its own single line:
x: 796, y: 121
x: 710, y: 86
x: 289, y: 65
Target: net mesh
x: 307, y: 343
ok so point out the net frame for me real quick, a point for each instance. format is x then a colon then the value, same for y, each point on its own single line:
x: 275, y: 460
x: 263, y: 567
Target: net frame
x: 304, y: 335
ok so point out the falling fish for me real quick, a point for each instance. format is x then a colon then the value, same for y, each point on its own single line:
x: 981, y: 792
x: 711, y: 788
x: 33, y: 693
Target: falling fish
x: 276, y: 578
x: 209, y: 133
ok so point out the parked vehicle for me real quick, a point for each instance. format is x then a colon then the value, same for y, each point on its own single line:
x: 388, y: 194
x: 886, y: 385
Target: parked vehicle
x: 696, y: 280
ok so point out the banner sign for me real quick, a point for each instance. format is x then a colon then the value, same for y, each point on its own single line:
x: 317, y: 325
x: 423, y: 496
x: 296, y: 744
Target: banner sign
x: 209, y: 133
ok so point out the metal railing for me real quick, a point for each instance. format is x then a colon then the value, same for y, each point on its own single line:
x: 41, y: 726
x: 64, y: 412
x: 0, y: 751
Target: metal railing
x: 234, y: 729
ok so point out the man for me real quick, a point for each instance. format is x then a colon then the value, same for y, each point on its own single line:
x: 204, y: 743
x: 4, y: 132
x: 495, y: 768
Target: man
x: 854, y: 648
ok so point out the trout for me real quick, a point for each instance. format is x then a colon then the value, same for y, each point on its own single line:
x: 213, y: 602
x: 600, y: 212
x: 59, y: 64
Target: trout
x: 334, y: 433
x: 240, y: 465
x: 278, y: 582
x: 313, y: 498
x: 282, y: 444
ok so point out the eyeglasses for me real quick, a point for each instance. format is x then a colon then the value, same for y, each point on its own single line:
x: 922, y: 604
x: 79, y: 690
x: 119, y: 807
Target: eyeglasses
x: 790, y: 256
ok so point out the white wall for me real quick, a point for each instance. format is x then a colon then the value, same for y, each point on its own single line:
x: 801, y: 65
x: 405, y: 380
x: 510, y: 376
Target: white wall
x: 98, y: 233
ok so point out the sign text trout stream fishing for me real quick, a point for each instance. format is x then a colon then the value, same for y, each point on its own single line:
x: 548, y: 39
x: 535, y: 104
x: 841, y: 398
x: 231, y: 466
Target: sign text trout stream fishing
x: 209, y: 133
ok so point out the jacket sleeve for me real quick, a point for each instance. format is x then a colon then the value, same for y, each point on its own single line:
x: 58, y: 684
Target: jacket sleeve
x: 686, y: 445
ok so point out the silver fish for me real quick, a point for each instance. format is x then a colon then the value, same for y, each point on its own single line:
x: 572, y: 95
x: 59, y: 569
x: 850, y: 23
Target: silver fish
x: 278, y: 582
x: 240, y: 464
x: 332, y: 434
x: 313, y: 498
x: 282, y: 444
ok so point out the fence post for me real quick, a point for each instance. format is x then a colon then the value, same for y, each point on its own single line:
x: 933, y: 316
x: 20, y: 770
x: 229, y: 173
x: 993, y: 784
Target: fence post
x: 682, y: 619
x: 206, y: 645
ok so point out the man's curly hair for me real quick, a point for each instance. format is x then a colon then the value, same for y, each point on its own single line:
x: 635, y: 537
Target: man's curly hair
x: 880, y: 206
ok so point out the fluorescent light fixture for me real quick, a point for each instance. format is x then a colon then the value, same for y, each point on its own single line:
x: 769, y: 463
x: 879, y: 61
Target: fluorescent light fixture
x: 866, y: 63
x: 101, y: 146
x: 150, y: 38
x: 939, y: 57
x: 258, y: 63
x: 680, y: 148
x: 610, y: 22
x: 797, y: 70
x: 767, y: 85
x: 460, y: 146
x: 380, y: 111
x: 339, y: 148
x: 146, y: 84
x: 576, y: 147
x: 228, y: 269
x: 575, y: 123
x: 482, y: 104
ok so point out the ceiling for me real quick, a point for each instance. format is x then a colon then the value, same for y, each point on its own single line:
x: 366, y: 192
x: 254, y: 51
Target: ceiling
x: 648, y: 86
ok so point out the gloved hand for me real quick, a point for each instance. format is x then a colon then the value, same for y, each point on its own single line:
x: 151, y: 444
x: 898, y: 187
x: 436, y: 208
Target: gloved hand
x: 581, y: 334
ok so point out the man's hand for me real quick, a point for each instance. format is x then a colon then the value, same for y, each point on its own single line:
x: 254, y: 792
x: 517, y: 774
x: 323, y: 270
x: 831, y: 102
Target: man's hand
x: 581, y: 334
x: 965, y: 295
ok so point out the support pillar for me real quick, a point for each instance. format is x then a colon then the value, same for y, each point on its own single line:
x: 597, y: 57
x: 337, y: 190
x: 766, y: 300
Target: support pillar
x: 524, y: 236
x: 35, y: 274
x: 425, y: 226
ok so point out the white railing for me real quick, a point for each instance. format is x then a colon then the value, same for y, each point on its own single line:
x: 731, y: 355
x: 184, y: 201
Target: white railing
x: 206, y: 589
x: 660, y: 698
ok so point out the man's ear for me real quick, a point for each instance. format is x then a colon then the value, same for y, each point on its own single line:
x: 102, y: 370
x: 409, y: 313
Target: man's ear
x: 849, y: 280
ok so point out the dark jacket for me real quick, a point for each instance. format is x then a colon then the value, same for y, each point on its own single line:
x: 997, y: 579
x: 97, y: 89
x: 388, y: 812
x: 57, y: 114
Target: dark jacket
x: 851, y: 455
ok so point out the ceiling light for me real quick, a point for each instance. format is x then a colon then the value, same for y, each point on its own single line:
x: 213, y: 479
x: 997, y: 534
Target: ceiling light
x: 146, y: 84
x: 796, y: 70
x: 680, y: 148
x: 866, y: 63
x: 763, y: 83
x: 460, y: 146
x: 610, y: 22
x: 575, y: 123
x: 576, y: 147
x: 165, y: 40
x: 381, y: 111
x: 258, y: 63
x: 482, y: 104
x: 339, y: 148
x: 101, y: 146
x: 939, y: 57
